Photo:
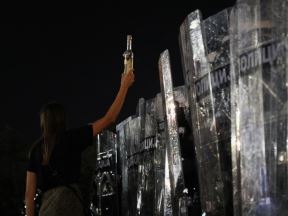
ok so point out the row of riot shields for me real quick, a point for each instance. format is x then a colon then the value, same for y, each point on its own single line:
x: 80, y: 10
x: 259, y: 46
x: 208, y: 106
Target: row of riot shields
x: 259, y: 94
x: 149, y: 185
x: 217, y: 145
x: 142, y: 172
x: 236, y: 74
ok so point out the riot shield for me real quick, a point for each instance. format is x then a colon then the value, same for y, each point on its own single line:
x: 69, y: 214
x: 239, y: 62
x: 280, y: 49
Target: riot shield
x: 129, y: 133
x: 205, y: 58
x: 105, y: 199
x: 259, y: 93
x: 143, y: 160
x: 177, y: 185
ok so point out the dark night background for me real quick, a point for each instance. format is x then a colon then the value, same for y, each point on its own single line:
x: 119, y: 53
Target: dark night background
x: 77, y: 61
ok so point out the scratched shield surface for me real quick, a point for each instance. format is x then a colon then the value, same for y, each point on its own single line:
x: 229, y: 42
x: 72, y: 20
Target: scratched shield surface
x: 146, y: 155
x: 205, y: 59
x: 162, y: 177
x: 123, y: 138
x: 259, y: 94
x: 142, y: 149
x: 106, y: 197
x: 173, y: 147
x: 129, y: 133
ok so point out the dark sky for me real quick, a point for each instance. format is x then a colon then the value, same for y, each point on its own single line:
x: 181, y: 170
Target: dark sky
x: 77, y: 61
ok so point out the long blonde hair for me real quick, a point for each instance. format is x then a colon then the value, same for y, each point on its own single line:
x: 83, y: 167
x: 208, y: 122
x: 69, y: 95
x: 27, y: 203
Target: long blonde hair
x: 53, y: 124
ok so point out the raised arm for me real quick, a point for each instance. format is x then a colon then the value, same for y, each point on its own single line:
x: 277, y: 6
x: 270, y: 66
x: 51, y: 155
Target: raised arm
x: 114, y: 110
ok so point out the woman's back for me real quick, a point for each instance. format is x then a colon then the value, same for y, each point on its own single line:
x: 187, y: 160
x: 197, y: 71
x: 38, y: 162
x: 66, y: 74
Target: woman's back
x: 65, y: 161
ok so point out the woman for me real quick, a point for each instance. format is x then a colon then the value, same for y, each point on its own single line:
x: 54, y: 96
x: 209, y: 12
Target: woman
x: 55, y: 160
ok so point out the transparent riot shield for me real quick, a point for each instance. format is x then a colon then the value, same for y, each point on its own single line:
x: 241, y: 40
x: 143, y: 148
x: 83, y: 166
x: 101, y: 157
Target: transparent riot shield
x: 129, y: 133
x: 143, y: 160
x: 146, y: 152
x: 105, y: 199
x: 162, y: 178
x: 259, y: 93
x: 123, y: 137
x: 177, y: 185
x: 205, y: 58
